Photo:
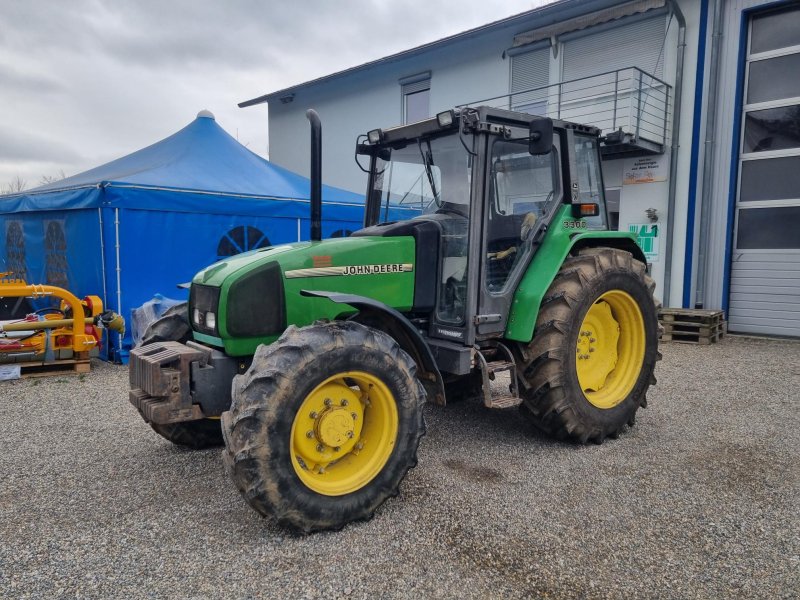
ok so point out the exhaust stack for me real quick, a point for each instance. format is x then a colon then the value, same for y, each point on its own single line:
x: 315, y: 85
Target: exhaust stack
x: 316, y: 175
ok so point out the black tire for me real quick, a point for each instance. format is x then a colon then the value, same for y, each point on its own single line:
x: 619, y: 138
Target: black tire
x: 552, y: 395
x: 173, y: 326
x: 197, y: 435
x: 267, y: 398
x: 464, y: 387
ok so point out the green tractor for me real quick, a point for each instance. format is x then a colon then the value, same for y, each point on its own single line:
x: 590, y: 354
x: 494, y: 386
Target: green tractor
x: 312, y: 361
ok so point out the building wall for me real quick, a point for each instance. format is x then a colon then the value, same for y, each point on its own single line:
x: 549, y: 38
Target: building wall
x: 358, y: 102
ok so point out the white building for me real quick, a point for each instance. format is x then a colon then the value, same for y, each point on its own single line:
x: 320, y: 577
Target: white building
x: 700, y: 103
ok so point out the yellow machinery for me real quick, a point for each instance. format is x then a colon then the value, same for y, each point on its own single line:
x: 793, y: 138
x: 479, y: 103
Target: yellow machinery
x: 70, y: 331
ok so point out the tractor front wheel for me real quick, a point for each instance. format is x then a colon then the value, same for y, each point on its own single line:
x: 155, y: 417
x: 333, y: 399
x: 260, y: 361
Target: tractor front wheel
x: 324, y: 425
x: 588, y: 368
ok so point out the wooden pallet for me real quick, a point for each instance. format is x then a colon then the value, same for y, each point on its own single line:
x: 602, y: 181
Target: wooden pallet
x: 692, y: 326
x: 58, y: 367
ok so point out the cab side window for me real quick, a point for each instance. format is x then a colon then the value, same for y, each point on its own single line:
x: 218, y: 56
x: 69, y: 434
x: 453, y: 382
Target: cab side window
x: 522, y: 191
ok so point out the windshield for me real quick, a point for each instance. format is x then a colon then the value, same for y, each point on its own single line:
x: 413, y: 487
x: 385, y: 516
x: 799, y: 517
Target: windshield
x: 424, y: 176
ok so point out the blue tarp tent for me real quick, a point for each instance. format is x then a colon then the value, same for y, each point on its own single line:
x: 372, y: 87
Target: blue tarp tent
x: 143, y: 223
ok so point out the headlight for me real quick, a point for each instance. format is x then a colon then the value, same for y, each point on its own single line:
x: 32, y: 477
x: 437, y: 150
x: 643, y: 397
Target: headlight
x: 203, y: 306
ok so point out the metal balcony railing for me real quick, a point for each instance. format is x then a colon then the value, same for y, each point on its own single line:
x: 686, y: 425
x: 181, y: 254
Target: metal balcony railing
x: 630, y: 106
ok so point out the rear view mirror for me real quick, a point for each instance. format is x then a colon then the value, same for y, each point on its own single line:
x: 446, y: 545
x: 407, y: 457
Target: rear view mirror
x: 540, y: 140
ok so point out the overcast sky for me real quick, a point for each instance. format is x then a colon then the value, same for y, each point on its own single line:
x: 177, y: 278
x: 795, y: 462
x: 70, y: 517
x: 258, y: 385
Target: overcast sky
x: 87, y: 81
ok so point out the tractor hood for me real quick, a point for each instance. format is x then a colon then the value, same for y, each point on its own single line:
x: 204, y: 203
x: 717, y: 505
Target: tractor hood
x: 325, y: 259
x: 253, y: 296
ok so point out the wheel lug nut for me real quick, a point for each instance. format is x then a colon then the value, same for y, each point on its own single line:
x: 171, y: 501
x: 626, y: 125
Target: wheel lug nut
x: 321, y: 471
x: 344, y: 402
x: 591, y: 349
x: 320, y: 447
x: 328, y: 402
x: 313, y: 415
x: 309, y: 434
x: 359, y: 445
x: 354, y: 415
x: 336, y: 448
x: 350, y: 434
x: 592, y: 340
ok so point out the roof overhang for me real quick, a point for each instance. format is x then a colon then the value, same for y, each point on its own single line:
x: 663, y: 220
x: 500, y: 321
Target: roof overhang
x: 550, y: 15
x: 591, y: 19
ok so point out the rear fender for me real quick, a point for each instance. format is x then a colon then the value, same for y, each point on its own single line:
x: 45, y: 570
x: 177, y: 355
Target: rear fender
x: 393, y: 323
x: 559, y: 243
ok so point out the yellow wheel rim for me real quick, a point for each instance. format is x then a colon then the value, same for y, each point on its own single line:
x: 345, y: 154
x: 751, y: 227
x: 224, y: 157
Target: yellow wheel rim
x: 610, y: 349
x: 344, y: 433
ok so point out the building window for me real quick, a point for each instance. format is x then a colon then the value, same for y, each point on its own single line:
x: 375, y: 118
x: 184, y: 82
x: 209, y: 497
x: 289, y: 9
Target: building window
x: 416, y: 92
x: 530, y: 76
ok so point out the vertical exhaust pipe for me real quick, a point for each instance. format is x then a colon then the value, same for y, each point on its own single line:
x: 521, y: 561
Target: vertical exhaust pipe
x: 316, y: 175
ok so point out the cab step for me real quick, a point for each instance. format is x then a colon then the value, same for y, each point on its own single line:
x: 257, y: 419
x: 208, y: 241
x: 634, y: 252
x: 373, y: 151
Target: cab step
x: 489, y: 371
x: 505, y: 402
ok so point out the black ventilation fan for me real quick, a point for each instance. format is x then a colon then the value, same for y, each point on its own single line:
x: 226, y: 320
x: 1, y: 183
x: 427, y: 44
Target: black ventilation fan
x: 15, y: 251
x: 241, y: 239
x: 14, y: 308
x: 341, y: 233
x: 55, y: 245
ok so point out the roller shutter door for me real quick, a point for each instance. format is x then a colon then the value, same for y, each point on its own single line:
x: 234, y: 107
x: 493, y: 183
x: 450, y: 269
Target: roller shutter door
x: 636, y: 44
x: 765, y: 261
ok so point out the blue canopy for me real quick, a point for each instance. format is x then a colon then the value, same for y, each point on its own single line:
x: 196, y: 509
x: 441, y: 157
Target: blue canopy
x: 201, y: 157
x: 145, y: 222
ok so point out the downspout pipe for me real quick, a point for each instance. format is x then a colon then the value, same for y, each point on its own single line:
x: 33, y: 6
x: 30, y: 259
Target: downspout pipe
x: 316, y: 174
x: 707, y: 191
x: 673, y: 157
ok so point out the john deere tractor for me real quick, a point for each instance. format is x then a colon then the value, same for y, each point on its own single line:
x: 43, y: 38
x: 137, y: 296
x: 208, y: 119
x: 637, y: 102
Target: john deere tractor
x: 312, y: 361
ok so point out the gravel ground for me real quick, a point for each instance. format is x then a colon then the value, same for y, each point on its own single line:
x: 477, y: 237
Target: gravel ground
x: 699, y: 500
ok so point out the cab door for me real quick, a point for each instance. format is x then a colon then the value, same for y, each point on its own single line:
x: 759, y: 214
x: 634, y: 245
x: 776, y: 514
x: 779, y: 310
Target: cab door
x: 522, y: 192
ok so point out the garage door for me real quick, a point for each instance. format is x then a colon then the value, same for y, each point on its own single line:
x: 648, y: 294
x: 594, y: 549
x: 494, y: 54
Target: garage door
x: 765, y: 265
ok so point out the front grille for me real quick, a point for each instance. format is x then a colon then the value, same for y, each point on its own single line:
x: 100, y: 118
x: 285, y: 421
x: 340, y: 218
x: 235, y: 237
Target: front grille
x: 256, y: 305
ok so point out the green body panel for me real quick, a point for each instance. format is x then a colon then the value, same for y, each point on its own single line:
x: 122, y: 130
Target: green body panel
x: 393, y: 289
x: 563, y: 234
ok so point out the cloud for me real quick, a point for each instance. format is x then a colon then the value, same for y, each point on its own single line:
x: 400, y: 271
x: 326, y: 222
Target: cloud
x: 87, y: 81
x: 18, y: 146
x: 22, y: 82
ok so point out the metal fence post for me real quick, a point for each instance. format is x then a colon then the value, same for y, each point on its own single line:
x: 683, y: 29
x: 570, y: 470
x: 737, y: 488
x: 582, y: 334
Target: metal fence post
x: 616, y: 95
x: 638, y: 103
x: 560, y: 83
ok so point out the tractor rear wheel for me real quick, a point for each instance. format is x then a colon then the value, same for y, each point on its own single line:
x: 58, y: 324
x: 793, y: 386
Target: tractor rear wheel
x: 173, y: 326
x: 324, y: 425
x: 588, y: 368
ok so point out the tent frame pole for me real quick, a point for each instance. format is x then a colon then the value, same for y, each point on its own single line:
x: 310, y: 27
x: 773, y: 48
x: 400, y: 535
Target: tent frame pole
x: 102, y: 254
x: 119, y: 276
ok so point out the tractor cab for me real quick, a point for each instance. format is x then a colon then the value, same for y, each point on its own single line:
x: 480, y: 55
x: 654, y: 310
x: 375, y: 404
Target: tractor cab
x: 485, y: 185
